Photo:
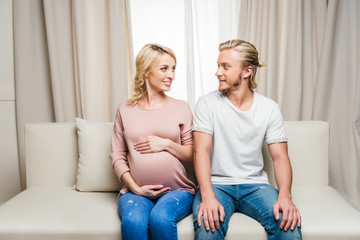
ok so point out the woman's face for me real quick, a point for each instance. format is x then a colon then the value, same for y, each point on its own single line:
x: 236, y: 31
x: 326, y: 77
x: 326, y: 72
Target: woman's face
x: 161, y: 74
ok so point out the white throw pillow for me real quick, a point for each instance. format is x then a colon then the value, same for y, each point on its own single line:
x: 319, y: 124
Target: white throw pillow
x: 95, y: 172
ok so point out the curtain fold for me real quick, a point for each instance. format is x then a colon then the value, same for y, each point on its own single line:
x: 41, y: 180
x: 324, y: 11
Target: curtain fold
x: 58, y: 28
x: 72, y: 59
x: 34, y: 101
x: 337, y: 95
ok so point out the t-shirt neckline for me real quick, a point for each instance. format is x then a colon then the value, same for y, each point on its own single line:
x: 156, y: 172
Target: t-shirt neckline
x: 239, y: 110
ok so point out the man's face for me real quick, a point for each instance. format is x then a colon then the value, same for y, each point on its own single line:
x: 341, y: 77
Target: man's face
x: 229, y: 71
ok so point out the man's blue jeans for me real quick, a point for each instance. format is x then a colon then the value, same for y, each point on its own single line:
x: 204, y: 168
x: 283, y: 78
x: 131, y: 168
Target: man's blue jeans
x: 141, y: 216
x: 254, y: 200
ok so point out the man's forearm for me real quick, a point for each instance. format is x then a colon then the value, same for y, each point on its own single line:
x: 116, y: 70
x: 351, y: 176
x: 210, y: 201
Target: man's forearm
x: 202, y: 147
x: 283, y: 176
x: 203, y: 174
x: 282, y: 168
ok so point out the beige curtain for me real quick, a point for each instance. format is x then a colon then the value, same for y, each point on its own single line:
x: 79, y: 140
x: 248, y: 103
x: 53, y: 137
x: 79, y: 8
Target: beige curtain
x: 72, y: 59
x: 313, y: 55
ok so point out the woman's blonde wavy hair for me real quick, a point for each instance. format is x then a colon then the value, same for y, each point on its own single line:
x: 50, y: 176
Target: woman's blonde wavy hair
x: 249, y: 55
x: 144, y: 61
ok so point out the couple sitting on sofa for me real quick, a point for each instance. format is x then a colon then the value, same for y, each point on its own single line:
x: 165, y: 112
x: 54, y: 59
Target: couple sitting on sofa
x: 153, y: 135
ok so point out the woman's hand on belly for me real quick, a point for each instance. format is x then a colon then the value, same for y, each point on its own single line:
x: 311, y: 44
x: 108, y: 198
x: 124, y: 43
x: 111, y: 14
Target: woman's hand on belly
x: 151, y: 191
x: 152, y: 144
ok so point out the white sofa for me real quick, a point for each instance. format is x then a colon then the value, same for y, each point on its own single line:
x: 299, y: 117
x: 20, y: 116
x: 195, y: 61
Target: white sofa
x: 56, y: 155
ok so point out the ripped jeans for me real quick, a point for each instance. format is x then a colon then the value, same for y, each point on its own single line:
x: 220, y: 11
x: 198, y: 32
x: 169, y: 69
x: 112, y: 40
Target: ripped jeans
x: 141, y: 216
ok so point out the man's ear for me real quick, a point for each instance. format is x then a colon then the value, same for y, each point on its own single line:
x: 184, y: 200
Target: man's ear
x: 248, y: 71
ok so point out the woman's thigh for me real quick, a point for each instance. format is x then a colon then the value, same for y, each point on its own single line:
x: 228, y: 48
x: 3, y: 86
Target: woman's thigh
x: 135, y: 207
x: 174, y: 205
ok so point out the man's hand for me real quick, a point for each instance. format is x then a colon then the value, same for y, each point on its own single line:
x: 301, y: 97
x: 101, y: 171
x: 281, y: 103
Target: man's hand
x: 209, y: 210
x: 291, y: 215
x: 151, y: 144
x: 151, y: 191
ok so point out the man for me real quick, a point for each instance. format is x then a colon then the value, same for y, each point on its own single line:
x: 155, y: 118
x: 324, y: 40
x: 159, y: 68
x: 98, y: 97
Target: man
x: 230, y: 126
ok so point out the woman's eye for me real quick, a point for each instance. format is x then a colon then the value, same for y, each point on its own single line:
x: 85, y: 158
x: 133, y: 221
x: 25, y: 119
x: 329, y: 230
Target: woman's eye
x: 163, y: 69
x: 173, y: 69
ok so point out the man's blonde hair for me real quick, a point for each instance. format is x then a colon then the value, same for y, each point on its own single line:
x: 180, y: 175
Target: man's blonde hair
x: 249, y: 55
x: 144, y: 60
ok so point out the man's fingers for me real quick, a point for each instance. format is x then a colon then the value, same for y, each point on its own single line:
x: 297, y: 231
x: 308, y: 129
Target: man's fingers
x: 289, y: 220
x: 206, y: 221
x: 276, y: 212
x: 200, y: 214
x: 216, y: 221
x: 284, y: 219
x: 211, y: 218
x: 299, y: 218
x: 295, y: 220
x: 222, y: 213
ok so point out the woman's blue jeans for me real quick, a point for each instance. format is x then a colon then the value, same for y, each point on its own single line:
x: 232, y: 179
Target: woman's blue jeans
x: 141, y: 216
x: 254, y: 200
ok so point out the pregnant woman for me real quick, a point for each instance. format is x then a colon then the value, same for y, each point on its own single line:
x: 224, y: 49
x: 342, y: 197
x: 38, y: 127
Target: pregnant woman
x: 151, y: 140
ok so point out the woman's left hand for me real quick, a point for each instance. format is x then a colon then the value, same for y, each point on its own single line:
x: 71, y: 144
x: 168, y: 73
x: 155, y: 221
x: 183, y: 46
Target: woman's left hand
x: 152, y: 144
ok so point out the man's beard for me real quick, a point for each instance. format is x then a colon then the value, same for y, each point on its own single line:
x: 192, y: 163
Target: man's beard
x: 234, y: 86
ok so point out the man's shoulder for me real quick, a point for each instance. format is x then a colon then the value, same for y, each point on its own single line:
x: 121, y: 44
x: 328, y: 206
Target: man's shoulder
x: 265, y: 101
x: 210, y: 100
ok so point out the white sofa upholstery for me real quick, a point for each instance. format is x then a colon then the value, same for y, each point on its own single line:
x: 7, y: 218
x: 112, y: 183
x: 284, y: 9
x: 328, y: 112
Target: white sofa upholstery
x: 50, y: 208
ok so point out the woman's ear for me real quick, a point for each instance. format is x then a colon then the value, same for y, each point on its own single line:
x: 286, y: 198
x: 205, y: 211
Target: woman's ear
x: 146, y: 75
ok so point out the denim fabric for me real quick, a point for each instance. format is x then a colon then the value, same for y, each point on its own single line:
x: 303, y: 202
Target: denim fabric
x: 254, y: 200
x: 141, y: 217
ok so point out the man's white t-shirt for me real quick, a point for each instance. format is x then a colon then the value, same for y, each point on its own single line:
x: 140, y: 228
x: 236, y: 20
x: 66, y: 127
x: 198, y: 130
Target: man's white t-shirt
x: 237, y: 136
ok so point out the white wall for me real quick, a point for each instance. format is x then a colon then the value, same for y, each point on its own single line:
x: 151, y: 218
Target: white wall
x: 9, y: 163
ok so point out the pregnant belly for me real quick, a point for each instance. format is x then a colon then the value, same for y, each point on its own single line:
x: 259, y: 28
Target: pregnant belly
x: 156, y: 168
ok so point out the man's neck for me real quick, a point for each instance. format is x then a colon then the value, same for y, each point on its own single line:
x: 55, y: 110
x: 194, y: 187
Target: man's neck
x: 242, y: 98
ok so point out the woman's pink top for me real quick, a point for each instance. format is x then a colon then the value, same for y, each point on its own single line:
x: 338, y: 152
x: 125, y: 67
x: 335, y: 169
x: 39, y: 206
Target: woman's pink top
x: 133, y: 123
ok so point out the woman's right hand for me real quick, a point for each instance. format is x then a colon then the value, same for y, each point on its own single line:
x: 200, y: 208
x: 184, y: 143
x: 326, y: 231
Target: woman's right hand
x: 151, y: 191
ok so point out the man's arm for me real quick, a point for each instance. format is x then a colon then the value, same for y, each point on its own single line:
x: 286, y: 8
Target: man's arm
x: 209, y: 207
x: 283, y: 176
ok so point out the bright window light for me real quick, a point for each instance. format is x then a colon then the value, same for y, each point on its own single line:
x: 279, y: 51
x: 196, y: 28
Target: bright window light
x: 162, y: 22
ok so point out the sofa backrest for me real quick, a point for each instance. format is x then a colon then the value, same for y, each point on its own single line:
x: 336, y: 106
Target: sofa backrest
x: 308, y: 149
x: 52, y: 153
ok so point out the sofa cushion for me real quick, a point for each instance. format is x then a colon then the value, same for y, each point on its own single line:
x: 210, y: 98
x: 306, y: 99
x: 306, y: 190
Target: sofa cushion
x: 47, y: 213
x: 94, y: 169
x: 326, y: 214
x: 51, y: 154
x: 62, y: 213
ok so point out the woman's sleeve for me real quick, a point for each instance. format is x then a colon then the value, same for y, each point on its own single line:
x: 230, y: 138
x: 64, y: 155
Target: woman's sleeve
x: 185, y: 128
x: 119, y: 148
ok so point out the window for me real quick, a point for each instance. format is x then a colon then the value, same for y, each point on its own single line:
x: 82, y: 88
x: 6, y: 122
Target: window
x: 193, y: 30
